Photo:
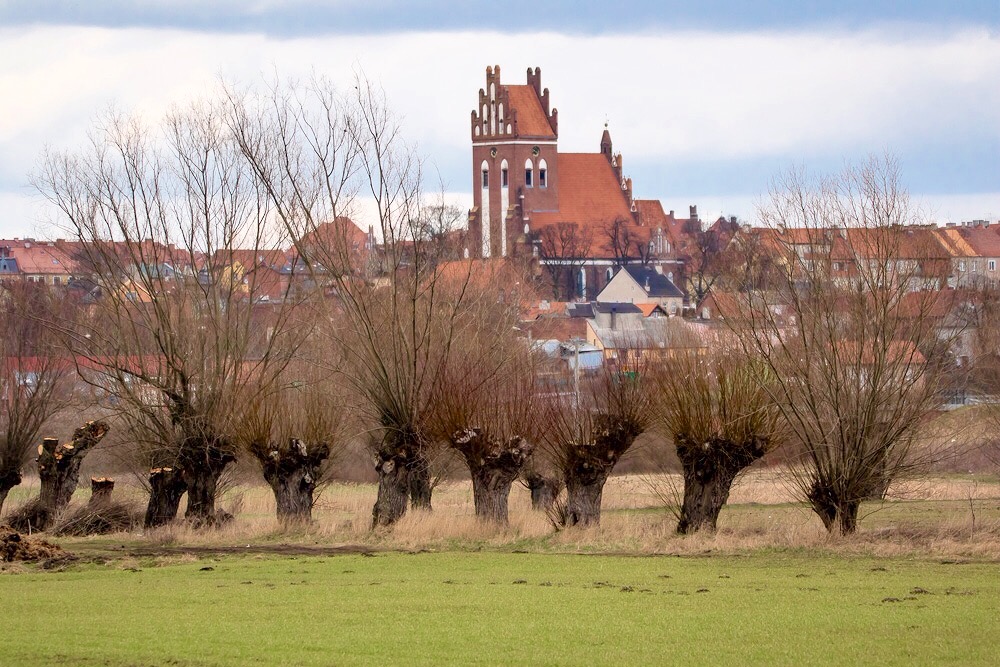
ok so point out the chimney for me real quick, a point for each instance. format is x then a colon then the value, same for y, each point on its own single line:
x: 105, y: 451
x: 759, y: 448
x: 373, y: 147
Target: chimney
x: 694, y: 212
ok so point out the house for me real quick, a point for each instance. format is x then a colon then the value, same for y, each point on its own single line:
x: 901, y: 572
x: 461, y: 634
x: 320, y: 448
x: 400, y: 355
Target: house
x: 574, y: 214
x: 619, y: 327
x: 975, y: 250
x: 643, y: 284
x: 36, y: 261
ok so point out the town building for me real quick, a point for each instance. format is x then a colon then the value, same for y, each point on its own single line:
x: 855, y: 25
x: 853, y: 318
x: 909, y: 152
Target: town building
x: 573, y: 214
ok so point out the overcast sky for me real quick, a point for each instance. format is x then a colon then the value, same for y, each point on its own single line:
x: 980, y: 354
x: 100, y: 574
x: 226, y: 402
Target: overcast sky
x: 706, y: 100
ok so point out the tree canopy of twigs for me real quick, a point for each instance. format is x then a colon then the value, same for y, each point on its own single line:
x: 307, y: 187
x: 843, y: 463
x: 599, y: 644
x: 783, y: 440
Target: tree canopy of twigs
x: 847, y: 336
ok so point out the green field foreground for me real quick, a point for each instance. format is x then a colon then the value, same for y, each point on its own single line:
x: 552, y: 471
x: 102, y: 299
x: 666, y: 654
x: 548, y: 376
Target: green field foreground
x: 770, y: 607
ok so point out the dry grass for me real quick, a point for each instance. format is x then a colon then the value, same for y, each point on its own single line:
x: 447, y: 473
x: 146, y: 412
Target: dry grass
x: 944, y: 516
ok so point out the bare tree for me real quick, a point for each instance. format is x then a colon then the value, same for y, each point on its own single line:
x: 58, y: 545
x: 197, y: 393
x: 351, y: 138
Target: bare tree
x: 721, y: 421
x: 442, y: 228
x: 189, y: 322
x: 486, y: 405
x: 564, y: 249
x: 35, y: 379
x: 853, y: 359
x: 587, y: 430
x: 629, y: 242
x: 295, y: 433
x: 316, y: 151
x: 704, y: 251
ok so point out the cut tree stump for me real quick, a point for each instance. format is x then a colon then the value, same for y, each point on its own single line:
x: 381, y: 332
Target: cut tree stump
x: 58, y: 473
x: 100, y: 489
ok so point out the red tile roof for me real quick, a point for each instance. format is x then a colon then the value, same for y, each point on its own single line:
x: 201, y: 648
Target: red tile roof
x: 531, y: 119
x: 589, y: 195
x: 985, y: 241
x: 42, y: 258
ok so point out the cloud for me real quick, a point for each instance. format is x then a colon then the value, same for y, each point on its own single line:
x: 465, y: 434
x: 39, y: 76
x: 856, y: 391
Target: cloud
x: 684, y: 100
x: 296, y: 18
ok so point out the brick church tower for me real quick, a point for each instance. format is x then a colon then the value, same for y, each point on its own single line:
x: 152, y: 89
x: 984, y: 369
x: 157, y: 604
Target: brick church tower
x: 573, y: 213
x: 515, y: 166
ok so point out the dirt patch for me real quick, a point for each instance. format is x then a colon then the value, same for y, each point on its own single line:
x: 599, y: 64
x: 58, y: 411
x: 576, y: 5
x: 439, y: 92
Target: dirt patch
x: 17, y: 547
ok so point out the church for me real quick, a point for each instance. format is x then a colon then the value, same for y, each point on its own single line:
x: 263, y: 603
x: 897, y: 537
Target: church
x: 573, y: 214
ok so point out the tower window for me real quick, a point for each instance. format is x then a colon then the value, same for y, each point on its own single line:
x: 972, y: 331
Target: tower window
x: 503, y: 174
x: 543, y: 174
x: 486, y: 178
x: 528, y: 173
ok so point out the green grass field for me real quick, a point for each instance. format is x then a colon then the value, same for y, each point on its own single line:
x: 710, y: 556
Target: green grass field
x: 771, y: 607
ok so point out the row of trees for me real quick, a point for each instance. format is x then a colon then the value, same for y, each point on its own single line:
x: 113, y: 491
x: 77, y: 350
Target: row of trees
x: 417, y: 354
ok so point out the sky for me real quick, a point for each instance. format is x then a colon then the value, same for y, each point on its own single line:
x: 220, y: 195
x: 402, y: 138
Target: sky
x: 708, y: 101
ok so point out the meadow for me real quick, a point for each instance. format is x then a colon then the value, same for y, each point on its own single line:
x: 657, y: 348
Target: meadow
x: 919, y: 584
x: 504, y: 608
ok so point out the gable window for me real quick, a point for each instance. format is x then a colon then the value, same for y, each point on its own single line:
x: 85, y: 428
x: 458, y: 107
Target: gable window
x: 543, y: 174
x: 528, y: 172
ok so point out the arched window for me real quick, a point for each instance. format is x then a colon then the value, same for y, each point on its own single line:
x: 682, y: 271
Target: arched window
x: 500, y: 115
x: 611, y: 274
x: 486, y: 175
x: 493, y: 91
x: 503, y: 174
x: 543, y: 174
x: 581, y: 283
x: 528, y: 169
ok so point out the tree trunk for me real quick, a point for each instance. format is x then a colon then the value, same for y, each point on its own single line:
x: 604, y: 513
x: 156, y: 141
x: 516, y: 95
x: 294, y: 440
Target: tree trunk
x: 393, y: 490
x: 166, y: 486
x: 59, y: 469
x: 494, y: 466
x: 293, y: 473
x: 544, y: 490
x: 8, y: 481
x: 584, y: 489
x: 837, y: 513
x: 709, y: 470
x: 420, y: 483
x: 588, y: 466
x: 704, y: 497
x: 203, y: 461
x: 100, y: 490
x: 202, y: 486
